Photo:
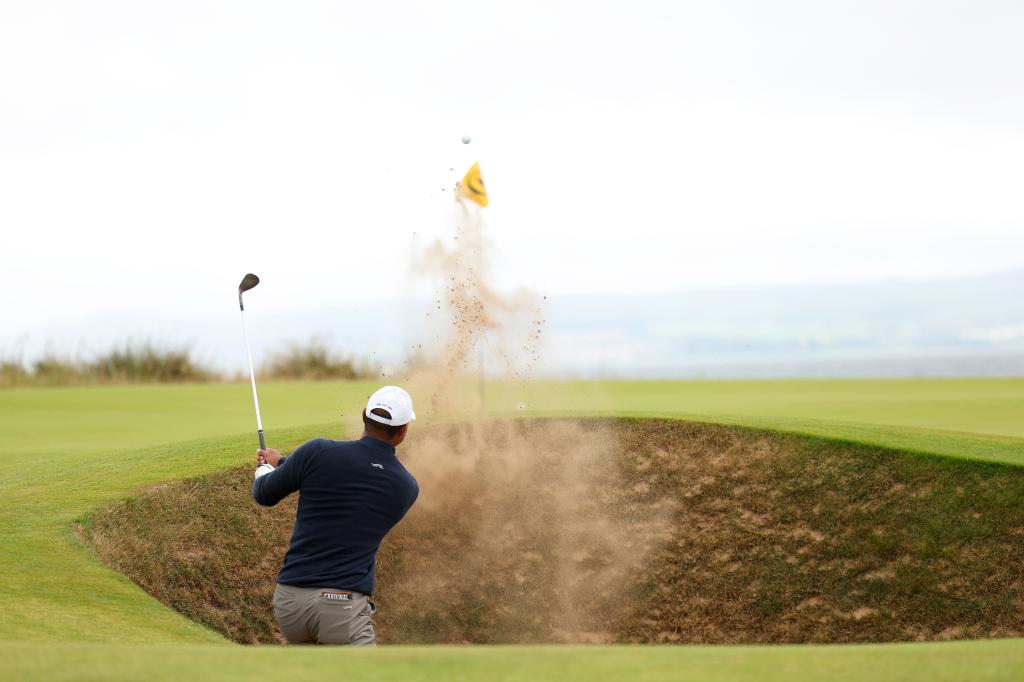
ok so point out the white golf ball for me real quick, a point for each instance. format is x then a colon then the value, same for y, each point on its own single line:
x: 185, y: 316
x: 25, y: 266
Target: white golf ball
x: 521, y: 406
x: 466, y: 139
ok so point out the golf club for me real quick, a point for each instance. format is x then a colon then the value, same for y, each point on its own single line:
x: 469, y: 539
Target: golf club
x: 248, y: 282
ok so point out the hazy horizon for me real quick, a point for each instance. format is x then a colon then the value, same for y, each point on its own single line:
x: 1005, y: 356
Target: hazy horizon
x: 948, y: 327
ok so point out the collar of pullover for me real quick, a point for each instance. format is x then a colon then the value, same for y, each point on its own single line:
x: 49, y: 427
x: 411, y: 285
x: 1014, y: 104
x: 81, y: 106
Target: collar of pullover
x: 378, y: 445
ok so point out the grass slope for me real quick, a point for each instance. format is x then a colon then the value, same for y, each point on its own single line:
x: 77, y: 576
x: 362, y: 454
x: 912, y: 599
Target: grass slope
x: 70, y: 451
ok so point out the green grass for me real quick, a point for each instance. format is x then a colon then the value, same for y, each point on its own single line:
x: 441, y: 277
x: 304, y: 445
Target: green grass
x: 946, y: 662
x: 69, y: 451
x: 976, y: 418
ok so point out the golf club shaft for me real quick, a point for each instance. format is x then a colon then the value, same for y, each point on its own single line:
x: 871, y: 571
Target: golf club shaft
x: 252, y: 377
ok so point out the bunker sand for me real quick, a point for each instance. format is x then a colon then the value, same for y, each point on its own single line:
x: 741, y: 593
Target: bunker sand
x: 623, y: 531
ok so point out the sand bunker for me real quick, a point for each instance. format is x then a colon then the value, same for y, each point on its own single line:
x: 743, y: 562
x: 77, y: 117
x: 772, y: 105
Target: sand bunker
x: 622, y: 531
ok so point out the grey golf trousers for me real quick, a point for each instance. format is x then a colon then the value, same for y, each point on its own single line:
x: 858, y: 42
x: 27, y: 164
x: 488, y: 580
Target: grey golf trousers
x: 311, y: 615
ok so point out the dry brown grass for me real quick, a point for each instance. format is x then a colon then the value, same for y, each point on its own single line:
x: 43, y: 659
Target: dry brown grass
x: 628, y: 531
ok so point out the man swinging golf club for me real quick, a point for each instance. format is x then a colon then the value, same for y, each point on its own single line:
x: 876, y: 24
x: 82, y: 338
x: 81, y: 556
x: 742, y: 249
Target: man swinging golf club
x: 351, y: 493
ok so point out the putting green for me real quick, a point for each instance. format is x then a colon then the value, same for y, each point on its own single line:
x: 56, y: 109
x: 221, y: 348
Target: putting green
x: 69, y: 451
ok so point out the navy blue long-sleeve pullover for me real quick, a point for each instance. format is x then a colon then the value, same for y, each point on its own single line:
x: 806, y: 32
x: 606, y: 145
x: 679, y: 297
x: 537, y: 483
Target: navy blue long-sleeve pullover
x: 351, y: 493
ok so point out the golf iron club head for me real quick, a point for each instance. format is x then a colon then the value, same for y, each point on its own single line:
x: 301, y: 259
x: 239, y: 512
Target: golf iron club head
x: 248, y: 282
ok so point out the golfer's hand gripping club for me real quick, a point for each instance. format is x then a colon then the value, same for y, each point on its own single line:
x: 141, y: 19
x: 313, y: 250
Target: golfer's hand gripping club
x: 267, y: 459
x: 269, y: 456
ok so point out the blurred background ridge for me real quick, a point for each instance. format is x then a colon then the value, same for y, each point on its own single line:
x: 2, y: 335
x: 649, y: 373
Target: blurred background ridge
x: 967, y: 326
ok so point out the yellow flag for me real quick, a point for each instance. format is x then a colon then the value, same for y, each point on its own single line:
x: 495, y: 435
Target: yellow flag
x: 472, y: 186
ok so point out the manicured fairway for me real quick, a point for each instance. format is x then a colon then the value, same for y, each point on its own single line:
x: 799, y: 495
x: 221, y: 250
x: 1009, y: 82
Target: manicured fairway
x: 978, y: 417
x: 68, y: 451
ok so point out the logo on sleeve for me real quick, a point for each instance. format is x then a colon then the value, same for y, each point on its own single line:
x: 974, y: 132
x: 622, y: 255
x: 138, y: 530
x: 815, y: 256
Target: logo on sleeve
x: 379, y: 466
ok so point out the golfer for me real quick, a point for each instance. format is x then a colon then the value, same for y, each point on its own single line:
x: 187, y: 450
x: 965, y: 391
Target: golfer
x: 351, y: 493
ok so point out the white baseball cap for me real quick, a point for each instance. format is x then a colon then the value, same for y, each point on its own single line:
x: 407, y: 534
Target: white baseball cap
x: 395, y: 401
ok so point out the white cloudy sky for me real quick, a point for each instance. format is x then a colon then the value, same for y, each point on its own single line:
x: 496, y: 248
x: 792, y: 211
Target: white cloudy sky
x: 150, y: 153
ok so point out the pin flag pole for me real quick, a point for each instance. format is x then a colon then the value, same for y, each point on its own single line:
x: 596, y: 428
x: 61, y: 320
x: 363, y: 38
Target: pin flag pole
x: 472, y: 188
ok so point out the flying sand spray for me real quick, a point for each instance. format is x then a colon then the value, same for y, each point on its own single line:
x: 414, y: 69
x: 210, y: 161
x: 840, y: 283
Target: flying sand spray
x: 525, y: 538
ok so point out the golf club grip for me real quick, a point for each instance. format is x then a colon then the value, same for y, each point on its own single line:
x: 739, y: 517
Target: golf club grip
x: 263, y: 444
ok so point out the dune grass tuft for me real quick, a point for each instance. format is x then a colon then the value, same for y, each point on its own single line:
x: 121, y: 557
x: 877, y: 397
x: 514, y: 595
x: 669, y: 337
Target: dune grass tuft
x: 314, y: 360
x: 125, y: 363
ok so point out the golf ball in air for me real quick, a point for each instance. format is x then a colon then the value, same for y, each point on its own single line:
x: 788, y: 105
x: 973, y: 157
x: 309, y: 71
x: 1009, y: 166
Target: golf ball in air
x: 466, y: 139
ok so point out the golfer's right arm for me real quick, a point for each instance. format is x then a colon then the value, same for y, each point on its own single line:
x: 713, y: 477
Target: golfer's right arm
x: 271, y: 488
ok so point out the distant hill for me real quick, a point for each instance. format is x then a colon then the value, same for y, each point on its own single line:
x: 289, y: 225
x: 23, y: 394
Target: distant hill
x: 949, y: 327
x: 953, y: 326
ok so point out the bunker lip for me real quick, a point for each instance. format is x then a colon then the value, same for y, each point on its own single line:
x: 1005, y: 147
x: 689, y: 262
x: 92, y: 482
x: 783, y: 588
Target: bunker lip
x: 675, y: 532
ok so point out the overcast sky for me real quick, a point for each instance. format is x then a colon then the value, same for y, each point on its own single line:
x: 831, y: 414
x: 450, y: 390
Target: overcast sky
x: 151, y: 153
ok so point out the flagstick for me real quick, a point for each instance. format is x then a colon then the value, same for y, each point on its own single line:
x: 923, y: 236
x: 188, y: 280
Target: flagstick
x: 472, y: 188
